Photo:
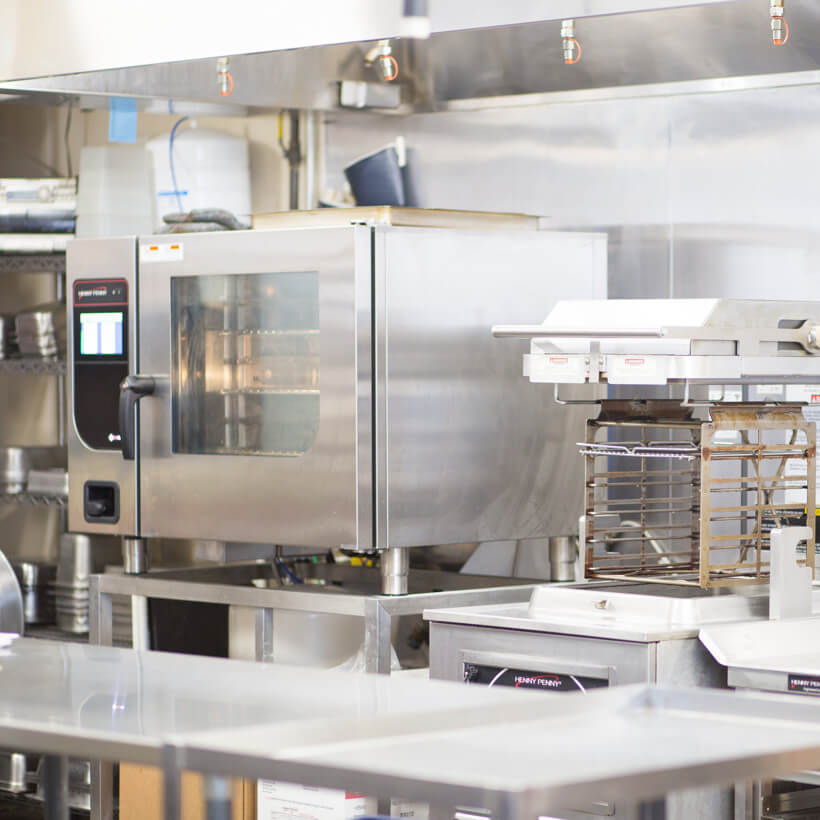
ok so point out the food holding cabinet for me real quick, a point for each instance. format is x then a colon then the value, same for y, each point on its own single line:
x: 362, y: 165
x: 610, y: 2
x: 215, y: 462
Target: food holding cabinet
x: 318, y: 386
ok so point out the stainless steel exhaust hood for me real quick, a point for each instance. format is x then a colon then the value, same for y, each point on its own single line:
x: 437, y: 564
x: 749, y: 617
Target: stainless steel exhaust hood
x: 479, y: 52
x: 50, y: 37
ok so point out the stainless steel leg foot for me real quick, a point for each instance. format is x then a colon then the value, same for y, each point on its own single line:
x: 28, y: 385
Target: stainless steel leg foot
x: 136, y: 556
x: 55, y: 787
x: 171, y: 785
x: 395, y: 568
x: 654, y: 810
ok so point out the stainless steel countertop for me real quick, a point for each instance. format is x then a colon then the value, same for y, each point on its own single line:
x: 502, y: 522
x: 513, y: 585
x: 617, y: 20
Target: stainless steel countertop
x: 791, y: 645
x: 512, y: 752
x: 627, y: 743
x: 124, y: 704
x: 617, y: 611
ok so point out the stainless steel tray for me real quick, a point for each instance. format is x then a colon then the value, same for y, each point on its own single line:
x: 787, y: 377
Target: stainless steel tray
x: 619, y: 610
x: 777, y: 656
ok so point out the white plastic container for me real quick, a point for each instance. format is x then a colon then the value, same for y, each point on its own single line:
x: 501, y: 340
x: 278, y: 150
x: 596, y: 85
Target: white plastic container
x: 115, y: 192
x: 212, y: 171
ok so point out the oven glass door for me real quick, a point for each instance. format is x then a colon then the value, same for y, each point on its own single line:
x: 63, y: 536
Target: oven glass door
x: 252, y: 433
x: 245, y: 366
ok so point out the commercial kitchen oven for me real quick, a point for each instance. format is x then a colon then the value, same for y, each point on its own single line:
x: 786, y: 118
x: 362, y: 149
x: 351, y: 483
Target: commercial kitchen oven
x: 320, y: 386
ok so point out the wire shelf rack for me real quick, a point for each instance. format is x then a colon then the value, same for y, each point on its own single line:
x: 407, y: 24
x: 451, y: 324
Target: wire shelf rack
x: 32, y: 263
x: 26, y: 364
x: 33, y: 499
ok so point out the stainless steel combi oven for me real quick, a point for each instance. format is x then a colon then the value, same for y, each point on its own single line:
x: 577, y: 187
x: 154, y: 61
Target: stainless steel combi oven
x: 319, y: 386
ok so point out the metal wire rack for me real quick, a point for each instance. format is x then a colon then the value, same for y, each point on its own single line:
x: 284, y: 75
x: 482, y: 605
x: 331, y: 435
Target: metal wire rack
x: 32, y: 499
x: 678, y: 500
x: 31, y: 364
x: 33, y: 262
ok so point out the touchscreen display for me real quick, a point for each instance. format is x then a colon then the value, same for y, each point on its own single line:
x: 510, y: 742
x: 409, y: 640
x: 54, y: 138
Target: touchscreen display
x: 101, y: 334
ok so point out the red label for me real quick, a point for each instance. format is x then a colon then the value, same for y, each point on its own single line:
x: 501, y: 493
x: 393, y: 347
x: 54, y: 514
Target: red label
x: 558, y: 360
x: 352, y: 796
x: 634, y: 362
x: 815, y: 398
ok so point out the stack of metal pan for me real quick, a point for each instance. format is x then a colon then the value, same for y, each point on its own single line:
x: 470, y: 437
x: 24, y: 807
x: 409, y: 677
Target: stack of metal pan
x: 37, y: 588
x: 41, y: 331
x: 71, y: 587
x: 17, y: 463
x: 11, y: 602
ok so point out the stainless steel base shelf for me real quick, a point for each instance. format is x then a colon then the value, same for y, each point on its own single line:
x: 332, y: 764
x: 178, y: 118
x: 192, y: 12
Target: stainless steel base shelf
x: 341, y: 590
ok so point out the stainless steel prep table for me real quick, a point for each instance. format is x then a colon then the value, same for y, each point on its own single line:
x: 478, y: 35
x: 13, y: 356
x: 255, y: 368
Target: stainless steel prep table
x: 392, y: 737
x: 357, y: 595
x: 666, y: 740
x: 108, y: 704
x: 771, y: 656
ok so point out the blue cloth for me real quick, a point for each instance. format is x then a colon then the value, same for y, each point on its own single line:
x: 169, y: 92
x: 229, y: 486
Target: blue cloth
x: 122, y: 119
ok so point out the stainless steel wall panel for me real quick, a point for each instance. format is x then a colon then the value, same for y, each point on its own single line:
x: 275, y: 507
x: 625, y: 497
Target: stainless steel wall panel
x: 703, y: 194
x: 577, y: 165
x: 594, y: 166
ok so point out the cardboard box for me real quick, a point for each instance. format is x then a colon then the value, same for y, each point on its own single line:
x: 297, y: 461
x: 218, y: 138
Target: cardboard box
x: 141, y: 795
x: 288, y: 801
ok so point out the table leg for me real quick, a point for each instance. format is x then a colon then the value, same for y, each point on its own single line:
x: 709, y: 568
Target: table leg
x: 377, y: 638
x: 217, y: 798
x: 55, y: 787
x: 101, y: 626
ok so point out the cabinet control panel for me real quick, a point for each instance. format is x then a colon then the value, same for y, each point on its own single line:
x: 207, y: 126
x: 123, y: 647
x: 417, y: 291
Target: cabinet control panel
x: 100, y: 317
x: 487, y: 675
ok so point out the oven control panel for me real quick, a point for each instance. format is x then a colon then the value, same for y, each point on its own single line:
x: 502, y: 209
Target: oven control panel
x: 487, y: 675
x: 99, y: 358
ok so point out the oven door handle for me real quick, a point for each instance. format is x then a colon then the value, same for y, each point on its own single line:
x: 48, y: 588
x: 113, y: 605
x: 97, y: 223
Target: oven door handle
x: 132, y: 389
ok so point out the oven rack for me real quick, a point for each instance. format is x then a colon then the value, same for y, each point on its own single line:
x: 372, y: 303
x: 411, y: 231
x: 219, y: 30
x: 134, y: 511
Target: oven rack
x: 272, y: 391
x: 256, y: 331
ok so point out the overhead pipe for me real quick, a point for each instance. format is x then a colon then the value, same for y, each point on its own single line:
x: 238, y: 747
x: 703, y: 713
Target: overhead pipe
x: 570, y: 44
x: 292, y: 154
x: 780, y: 28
